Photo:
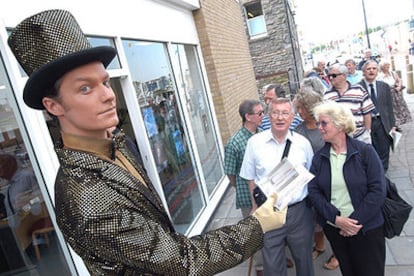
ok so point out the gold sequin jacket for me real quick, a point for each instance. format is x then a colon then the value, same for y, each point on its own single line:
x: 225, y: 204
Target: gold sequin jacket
x: 119, y: 226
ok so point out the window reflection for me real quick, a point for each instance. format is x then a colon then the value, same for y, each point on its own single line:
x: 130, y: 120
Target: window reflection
x: 27, y: 238
x: 190, y: 79
x: 162, y: 114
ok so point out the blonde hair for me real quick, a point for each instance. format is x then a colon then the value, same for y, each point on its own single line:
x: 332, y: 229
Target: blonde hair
x: 341, y: 116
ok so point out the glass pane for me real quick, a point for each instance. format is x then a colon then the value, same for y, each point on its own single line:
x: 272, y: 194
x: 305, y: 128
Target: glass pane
x: 103, y: 41
x: 257, y: 25
x: 190, y: 80
x: 161, y: 112
x: 28, y: 243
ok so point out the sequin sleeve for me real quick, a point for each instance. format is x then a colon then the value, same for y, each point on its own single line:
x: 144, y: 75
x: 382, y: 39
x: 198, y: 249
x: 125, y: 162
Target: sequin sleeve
x: 114, y: 227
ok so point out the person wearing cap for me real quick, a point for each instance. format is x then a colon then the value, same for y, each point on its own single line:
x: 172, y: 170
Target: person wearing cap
x: 106, y: 206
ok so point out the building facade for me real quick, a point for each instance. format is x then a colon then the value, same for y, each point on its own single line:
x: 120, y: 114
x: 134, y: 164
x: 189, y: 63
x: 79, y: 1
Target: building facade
x: 181, y: 71
x: 273, y: 41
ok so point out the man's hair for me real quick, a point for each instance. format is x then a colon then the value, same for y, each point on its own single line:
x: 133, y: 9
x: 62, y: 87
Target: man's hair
x: 369, y: 62
x: 340, y: 67
x: 350, y: 60
x: 246, y: 107
x: 280, y: 101
x: 279, y: 91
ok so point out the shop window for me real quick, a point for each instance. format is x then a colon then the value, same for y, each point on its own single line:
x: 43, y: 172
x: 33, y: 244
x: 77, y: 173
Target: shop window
x: 189, y: 79
x: 103, y: 41
x: 255, y: 19
x: 28, y: 242
x: 167, y: 133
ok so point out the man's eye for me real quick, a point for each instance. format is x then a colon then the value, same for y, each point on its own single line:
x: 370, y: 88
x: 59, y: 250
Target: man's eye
x: 85, y: 89
x: 107, y: 83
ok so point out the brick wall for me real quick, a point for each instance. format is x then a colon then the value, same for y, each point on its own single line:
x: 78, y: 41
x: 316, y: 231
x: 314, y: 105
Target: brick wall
x: 227, y: 59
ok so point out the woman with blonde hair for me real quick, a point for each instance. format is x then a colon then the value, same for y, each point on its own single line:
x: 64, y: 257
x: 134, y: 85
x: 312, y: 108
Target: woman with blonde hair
x: 347, y: 192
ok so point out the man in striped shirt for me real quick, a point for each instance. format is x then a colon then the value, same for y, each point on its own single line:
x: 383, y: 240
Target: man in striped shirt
x: 355, y: 97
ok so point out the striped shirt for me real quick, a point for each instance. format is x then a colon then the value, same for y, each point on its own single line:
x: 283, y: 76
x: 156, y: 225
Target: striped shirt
x: 357, y: 100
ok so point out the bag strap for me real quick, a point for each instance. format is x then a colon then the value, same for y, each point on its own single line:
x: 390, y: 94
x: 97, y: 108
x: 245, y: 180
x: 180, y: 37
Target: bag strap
x: 287, y: 148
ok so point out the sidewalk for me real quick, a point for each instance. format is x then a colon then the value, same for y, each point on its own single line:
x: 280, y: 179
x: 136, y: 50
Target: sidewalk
x: 400, y: 250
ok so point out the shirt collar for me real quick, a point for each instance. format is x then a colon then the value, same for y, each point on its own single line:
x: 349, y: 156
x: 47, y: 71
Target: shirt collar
x: 269, y: 136
x: 101, y: 147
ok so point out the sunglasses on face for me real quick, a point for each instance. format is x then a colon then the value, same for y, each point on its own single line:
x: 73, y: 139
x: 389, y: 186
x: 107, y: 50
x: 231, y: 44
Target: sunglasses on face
x: 260, y: 113
x: 334, y: 75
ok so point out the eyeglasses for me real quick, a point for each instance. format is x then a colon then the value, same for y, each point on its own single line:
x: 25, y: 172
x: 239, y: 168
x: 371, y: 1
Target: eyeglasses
x: 322, y: 123
x: 260, y: 113
x: 334, y: 75
x: 276, y: 115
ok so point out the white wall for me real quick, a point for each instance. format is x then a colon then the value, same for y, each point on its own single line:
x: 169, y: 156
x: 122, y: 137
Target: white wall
x: 145, y: 19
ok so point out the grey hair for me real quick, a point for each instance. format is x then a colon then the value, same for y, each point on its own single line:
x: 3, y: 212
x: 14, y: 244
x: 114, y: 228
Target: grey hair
x: 369, y: 62
x: 280, y: 101
x: 246, y: 107
x: 308, y: 99
x: 340, y: 67
x: 340, y: 115
x: 312, y: 84
x: 350, y: 60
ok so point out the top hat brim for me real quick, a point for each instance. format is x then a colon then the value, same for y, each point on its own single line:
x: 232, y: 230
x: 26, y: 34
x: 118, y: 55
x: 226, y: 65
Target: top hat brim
x: 41, y: 81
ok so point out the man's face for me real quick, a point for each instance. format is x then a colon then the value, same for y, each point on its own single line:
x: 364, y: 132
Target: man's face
x: 86, y: 105
x: 336, y: 78
x: 321, y: 65
x: 351, y: 67
x: 281, y: 116
x: 269, y: 96
x: 256, y: 116
x: 371, y: 71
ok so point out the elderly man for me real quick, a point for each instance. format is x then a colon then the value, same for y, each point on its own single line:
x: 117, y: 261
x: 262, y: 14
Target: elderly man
x: 270, y: 92
x: 354, y: 76
x: 106, y: 206
x: 251, y: 112
x: 383, y: 119
x: 353, y: 97
x: 263, y: 152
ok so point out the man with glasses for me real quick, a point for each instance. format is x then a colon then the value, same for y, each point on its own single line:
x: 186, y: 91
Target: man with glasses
x: 270, y: 92
x: 354, y: 97
x: 263, y: 152
x: 251, y: 112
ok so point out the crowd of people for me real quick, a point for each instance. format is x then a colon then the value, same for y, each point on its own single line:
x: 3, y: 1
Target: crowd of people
x: 341, y: 112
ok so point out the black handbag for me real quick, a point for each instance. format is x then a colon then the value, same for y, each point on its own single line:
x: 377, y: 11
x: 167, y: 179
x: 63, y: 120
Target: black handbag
x: 258, y: 195
x: 395, y: 211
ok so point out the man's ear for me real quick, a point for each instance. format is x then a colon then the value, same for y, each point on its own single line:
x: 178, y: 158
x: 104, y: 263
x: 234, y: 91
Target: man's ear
x: 52, y: 106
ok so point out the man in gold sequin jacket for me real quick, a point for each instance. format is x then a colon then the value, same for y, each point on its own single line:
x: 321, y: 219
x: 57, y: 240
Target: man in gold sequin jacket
x: 106, y: 207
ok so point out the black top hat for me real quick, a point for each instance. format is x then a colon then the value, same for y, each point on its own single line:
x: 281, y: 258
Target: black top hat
x: 49, y: 44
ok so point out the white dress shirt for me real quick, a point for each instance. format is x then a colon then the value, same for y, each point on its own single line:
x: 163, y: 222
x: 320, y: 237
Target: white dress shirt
x: 263, y: 153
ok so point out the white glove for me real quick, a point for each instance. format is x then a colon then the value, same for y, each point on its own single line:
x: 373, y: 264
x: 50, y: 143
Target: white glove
x: 268, y: 216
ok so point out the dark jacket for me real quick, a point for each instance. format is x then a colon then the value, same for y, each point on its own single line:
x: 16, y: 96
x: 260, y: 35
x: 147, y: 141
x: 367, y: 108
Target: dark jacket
x: 119, y: 226
x: 365, y: 182
x: 384, y: 104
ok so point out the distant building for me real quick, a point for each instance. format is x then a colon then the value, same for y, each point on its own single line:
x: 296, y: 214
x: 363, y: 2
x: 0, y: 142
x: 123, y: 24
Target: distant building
x: 273, y: 41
